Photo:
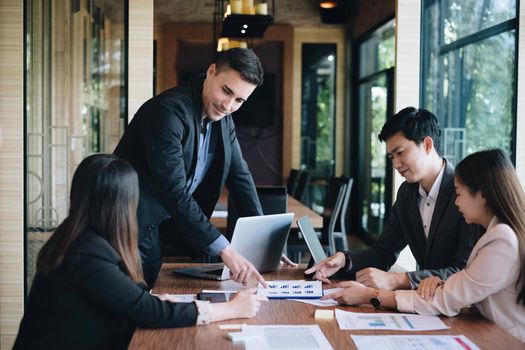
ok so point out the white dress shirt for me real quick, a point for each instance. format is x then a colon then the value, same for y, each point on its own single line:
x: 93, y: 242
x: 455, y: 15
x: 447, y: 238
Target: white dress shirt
x: 488, y: 281
x: 427, y: 202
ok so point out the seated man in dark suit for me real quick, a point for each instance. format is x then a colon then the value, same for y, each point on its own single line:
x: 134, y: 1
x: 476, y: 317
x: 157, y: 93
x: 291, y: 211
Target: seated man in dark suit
x: 424, y: 215
x: 183, y: 145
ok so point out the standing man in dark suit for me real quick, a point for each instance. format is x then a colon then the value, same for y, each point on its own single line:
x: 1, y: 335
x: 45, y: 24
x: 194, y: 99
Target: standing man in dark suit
x: 183, y: 145
x: 424, y: 215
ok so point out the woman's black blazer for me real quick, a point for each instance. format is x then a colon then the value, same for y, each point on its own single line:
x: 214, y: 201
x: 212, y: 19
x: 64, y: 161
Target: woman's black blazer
x: 90, y: 302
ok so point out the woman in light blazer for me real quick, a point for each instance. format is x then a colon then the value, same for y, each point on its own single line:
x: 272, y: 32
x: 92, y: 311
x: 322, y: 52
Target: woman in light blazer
x: 488, y: 193
x: 89, y: 290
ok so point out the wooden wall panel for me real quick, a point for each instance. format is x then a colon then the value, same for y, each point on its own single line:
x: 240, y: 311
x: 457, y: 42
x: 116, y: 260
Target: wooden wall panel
x: 168, y: 37
x: 11, y: 171
x: 140, y: 57
x: 285, y: 33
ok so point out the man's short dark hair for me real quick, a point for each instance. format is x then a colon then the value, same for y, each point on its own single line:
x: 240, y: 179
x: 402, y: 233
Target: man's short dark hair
x: 244, y: 61
x: 415, y: 124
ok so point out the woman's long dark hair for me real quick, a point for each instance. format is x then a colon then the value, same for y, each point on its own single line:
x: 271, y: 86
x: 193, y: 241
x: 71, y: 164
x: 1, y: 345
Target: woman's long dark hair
x: 104, y: 198
x: 492, y: 173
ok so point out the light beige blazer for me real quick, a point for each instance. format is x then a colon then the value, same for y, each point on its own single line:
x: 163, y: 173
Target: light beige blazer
x: 488, y: 281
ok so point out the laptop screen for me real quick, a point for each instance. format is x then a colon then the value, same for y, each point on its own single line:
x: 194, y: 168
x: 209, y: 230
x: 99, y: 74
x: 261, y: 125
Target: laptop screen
x: 315, y: 247
x: 261, y: 239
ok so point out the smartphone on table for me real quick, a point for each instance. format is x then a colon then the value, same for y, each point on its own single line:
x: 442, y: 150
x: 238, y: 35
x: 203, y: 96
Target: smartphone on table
x: 215, y: 297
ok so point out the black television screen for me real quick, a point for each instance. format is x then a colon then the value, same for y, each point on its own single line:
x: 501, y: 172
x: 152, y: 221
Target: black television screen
x: 260, y: 109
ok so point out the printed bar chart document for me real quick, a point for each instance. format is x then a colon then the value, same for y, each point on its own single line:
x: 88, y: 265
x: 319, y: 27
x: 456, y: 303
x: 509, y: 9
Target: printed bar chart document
x: 284, y: 337
x: 383, y: 321
x: 291, y: 289
x: 413, y: 342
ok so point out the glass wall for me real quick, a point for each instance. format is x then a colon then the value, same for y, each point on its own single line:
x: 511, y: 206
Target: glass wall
x: 318, y: 118
x: 376, y: 55
x: 468, y: 73
x: 76, y: 102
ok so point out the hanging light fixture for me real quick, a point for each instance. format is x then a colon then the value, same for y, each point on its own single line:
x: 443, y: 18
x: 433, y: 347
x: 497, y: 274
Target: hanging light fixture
x: 332, y: 11
x: 241, y: 20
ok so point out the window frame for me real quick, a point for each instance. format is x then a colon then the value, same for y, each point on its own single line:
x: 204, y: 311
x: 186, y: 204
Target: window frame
x: 356, y: 156
x: 473, y: 38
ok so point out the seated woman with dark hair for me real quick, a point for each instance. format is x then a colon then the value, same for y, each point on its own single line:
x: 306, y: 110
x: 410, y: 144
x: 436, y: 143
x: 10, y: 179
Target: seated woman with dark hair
x: 89, y: 291
x: 488, y: 193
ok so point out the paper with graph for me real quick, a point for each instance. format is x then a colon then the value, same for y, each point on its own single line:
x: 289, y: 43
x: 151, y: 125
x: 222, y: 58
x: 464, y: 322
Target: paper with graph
x: 295, y: 289
x: 413, y: 342
x: 383, y: 321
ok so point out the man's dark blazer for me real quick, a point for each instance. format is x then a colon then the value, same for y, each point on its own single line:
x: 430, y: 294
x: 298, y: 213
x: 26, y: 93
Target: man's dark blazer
x: 449, y: 242
x: 90, y: 302
x: 161, y: 143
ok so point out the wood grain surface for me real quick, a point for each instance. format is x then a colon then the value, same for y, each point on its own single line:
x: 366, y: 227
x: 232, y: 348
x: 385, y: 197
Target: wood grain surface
x: 482, y: 332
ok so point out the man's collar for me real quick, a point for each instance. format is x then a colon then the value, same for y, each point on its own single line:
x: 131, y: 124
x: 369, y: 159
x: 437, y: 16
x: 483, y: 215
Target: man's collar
x: 434, y: 191
x: 196, y: 85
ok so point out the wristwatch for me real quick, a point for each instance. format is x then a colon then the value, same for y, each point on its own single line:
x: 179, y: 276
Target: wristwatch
x: 348, y: 262
x: 375, y: 300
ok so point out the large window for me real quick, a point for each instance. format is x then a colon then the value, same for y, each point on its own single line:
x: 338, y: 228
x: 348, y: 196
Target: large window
x: 75, y: 101
x: 468, y: 73
x: 318, y: 118
x: 375, y: 61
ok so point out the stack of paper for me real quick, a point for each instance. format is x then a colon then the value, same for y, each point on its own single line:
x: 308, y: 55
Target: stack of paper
x: 319, y: 302
x: 179, y: 298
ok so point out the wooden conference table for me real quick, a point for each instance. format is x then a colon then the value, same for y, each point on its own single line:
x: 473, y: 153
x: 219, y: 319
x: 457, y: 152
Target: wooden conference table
x: 482, y: 332
x: 294, y: 206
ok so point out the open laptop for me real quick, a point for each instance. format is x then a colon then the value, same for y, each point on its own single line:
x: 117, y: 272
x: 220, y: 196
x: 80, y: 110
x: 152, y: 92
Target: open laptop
x: 308, y: 232
x: 259, y: 239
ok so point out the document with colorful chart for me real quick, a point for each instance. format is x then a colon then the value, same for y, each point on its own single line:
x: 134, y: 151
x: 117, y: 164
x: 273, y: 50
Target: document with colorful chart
x: 413, y: 342
x: 384, y: 321
x: 291, y: 289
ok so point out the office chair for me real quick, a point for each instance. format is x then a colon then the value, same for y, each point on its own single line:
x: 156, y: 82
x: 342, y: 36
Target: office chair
x: 334, y: 202
x: 302, y: 184
x: 335, y: 207
x: 292, y: 182
x: 338, y: 218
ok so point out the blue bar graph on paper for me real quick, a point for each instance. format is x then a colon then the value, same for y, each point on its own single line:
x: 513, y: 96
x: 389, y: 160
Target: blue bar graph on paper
x: 295, y: 289
x: 408, y: 322
x: 374, y: 321
x: 437, y: 342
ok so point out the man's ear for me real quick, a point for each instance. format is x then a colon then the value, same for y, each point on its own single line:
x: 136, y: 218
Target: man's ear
x: 428, y: 143
x: 211, y: 70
